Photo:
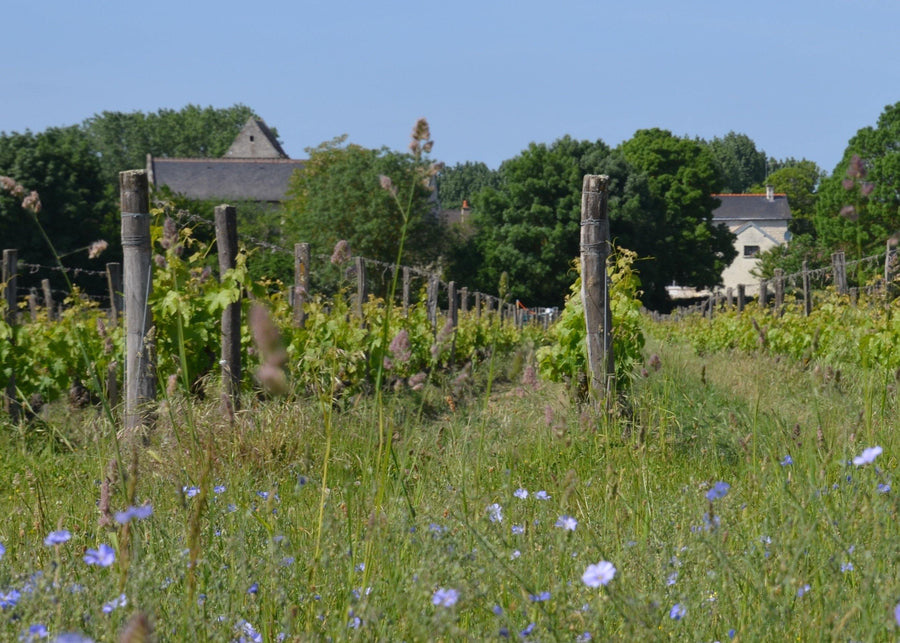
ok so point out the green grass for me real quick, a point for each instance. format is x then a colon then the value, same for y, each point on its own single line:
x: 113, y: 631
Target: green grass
x: 636, y: 486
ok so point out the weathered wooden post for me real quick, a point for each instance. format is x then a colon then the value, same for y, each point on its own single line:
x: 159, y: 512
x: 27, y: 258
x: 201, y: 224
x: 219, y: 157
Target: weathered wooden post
x: 839, y: 270
x: 854, y: 296
x: 33, y: 304
x: 114, y: 284
x: 10, y: 284
x: 227, y: 244
x: 711, y: 306
x: 406, y: 285
x: 464, y: 299
x: 595, y: 282
x: 779, y: 291
x: 48, y: 299
x: 140, y: 367
x: 478, y: 304
x: 729, y: 297
x: 432, y: 295
x: 361, y: 292
x: 807, y: 291
x: 452, y: 309
x: 741, y: 297
x: 763, y: 293
x: 890, y: 261
x: 301, y: 282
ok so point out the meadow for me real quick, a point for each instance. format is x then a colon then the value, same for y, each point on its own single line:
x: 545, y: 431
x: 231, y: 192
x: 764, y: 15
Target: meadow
x: 734, y: 495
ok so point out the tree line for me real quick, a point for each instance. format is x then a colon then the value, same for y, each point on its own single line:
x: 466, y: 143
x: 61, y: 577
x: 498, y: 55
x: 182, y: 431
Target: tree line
x: 524, y: 215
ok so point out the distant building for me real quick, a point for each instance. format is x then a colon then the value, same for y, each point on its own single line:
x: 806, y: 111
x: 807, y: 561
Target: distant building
x: 760, y: 222
x: 255, y: 168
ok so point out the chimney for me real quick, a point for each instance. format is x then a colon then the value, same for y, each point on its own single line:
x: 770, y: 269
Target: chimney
x: 464, y: 213
x: 770, y: 193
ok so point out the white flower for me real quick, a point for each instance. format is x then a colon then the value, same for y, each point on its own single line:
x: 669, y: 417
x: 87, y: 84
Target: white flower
x: 598, y: 574
x: 868, y: 456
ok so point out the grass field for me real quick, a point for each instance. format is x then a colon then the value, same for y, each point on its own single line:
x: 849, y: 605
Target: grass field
x: 724, y: 494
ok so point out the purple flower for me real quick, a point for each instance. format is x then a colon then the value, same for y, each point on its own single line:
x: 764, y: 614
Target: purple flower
x: 567, y: 522
x: 521, y: 493
x: 897, y: 613
x: 542, y: 495
x: 883, y: 488
x: 190, y: 492
x: 57, y: 537
x: 540, y: 598
x: 528, y: 630
x: 104, y: 556
x: 253, y: 589
x: 36, y: 631
x: 121, y: 601
x: 219, y: 488
x: 518, y: 529
x: 445, y: 597
x: 787, y: 460
x: 803, y: 590
x: 136, y: 513
x: 718, y: 491
x: 2, y: 550
x: 10, y: 598
x: 496, y: 512
x: 847, y: 567
x: 598, y: 574
x: 677, y: 612
x: 867, y: 456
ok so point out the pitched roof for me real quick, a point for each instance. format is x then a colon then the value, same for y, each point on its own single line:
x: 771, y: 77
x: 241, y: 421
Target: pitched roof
x: 256, y: 141
x: 751, y: 207
x: 229, y: 178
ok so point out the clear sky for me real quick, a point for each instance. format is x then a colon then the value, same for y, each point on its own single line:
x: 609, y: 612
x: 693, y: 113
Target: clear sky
x: 798, y: 77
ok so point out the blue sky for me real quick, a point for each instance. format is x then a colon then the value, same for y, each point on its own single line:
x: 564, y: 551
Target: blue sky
x: 798, y: 77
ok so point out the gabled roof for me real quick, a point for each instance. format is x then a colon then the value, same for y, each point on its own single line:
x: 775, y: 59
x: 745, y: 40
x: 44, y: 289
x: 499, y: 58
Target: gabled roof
x: 753, y: 226
x: 256, y: 141
x: 227, y: 179
x: 751, y: 207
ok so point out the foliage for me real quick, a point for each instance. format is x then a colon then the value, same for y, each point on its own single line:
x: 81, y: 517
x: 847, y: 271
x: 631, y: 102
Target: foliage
x: 565, y: 356
x: 661, y: 207
x: 61, y: 166
x: 857, y: 207
x: 462, y: 182
x: 799, y: 181
x: 122, y: 140
x: 528, y: 227
x: 740, y: 164
x: 338, y: 196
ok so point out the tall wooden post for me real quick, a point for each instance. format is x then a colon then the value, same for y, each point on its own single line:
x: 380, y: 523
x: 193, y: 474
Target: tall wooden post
x: 301, y: 282
x: 839, y: 270
x: 433, y: 284
x: 452, y: 305
x: 10, y: 284
x: 48, y: 299
x: 140, y: 360
x: 114, y: 284
x: 595, y: 281
x: 227, y: 244
x: 478, y: 304
x: 741, y: 297
x: 890, y: 261
x: 464, y: 299
x: 729, y: 297
x: 807, y: 291
x: 779, y: 290
x: 361, y: 294
x: 406, y: 285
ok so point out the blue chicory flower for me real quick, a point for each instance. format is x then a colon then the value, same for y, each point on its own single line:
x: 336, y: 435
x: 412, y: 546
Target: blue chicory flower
x: 718, y: 491
x: 677, y: 612
x: 867, y: 456
x: 57, y: 537
x: 445, y: 597
x: 567, y: 522
x: 787, y: 460
x: 521, y: 493
x: 496, y: 512
x: 104, y: 556
x: 141, y: 512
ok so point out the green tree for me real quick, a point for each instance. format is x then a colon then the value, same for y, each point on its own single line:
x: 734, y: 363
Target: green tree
x: 61, y: 166
x: 123, y: 140
x: 528, y: 226
x: 661, y: 206
x: 740, y: 164
x: 463, y: 181
x: 857, y: 207
x: 799, y: 181
x: 339, y: 195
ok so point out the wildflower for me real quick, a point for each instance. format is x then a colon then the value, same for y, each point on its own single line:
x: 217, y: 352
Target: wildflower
x: 32, y: 202
x: 495, y: 512
x: 57, y: 537
x: 567, y: 522
x: 445, y: 597
x: 387, y: 184
x: 248, y: 632
x: 497, y: 610
x: 104, y: 556
x: 2, y: 550
x: 803, y: 590
x: 542, y: 495
x: 436, y: 528
x: 36, y: 631
x: 219, y: 488
x: 341, y: 253
x: 521, y: 493
x: 354, y: 623
x: 121, y: 601
x: 540, y: 598
x: 516, y: 553
x: 400, y: 347
x: 598, y: 574
x: 718, y: 491
x: 136, y: 513
x: 10, y: 598
x: 417, y: 381
x: 868, y: 456
x: 672, y: 578
x: 847, y: 567
x: 518, y: 530
x: 584, y: 637
x: 787, y: 460
x: 883, y: 488
x: 97, y: 248
x: 711, y: 521
x: 897, y: 613
x: 677, y: 612
x: 528, y: 630
x: 190, y: 492
x: 253, y: 589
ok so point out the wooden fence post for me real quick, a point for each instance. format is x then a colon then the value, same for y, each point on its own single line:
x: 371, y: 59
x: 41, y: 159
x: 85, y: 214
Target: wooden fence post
x: 763, y: 293
x: 477, y: 304
x: 33, y: 304
x: 779, y: 290
x: 807, y: 291
x: 464, y: 299
x: 890, y: 260
x: 595, y: 282
x: 433, y: 285
x: 729, y: 297
x: 741, y: 297
x: 227, y: 244
x: 839, y: 270
x: 114, y: 284
x: 301, y: 282
x: 361, y: 293
x: 10, y: 284
x: 140, y: 367
x: 854, y: 296
x: 48, y: 299
x: 406, y: 285
x: 452, y: 310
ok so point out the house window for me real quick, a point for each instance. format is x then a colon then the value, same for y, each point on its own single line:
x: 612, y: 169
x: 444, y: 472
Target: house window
x: 251, y: 138
x: 751, y: 251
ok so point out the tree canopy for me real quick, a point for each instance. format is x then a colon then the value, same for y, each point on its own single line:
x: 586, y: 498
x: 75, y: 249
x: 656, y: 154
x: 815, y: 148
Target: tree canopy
x: 739, y: 163
x: 463, y: 181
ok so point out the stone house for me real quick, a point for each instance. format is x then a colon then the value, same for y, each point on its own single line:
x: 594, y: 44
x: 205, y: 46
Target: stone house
x: 255, y: 168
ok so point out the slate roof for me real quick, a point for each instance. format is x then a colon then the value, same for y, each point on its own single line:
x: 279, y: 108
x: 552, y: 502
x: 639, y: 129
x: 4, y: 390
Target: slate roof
x: 751, y: 207
x: 227, y: 178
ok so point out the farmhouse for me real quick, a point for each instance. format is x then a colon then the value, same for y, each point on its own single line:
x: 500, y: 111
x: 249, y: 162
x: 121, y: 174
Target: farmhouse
x: 760, y: 222
x: 255, y: 168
